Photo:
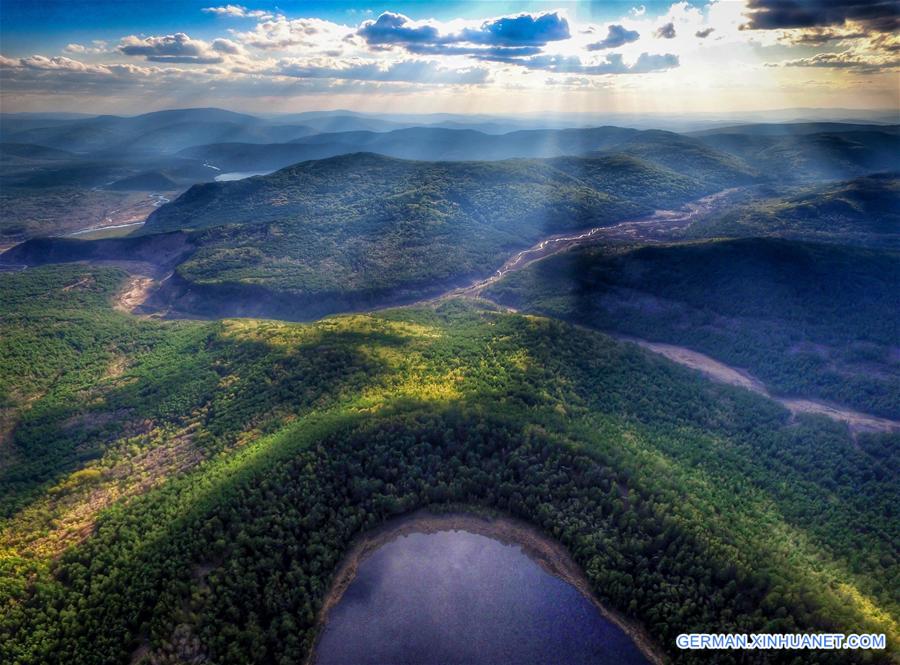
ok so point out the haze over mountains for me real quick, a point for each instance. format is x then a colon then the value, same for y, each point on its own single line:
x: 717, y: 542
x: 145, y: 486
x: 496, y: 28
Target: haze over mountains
x: 119, y: 167
x: 608, y: 293
x: 355, y: 223
x: 462, y: 286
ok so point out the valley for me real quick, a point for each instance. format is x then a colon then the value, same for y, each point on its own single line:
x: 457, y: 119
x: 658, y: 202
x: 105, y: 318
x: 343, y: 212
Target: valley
x: 723, y: 373
x: 467, y: 333
x: 645, y: 373
x: 434, y: 375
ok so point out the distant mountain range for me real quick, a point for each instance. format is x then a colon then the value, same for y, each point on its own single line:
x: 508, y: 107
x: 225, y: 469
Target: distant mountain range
x: 803, y: 154
x: 159, y: 132
x: 169, y: 151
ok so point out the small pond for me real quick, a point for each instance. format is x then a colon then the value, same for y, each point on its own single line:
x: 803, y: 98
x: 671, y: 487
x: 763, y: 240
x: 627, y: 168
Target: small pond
x: 454, y: 597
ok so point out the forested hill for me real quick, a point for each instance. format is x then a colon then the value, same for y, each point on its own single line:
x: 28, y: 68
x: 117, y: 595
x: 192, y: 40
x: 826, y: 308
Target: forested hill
x: 862, y: 211
x: 365, y: 230
x: 819, y: 320
x: 568, y: 192
x: 182, y: 491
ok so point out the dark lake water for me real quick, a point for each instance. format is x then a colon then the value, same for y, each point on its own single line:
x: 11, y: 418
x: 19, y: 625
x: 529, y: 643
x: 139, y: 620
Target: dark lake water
x: 456, y: 597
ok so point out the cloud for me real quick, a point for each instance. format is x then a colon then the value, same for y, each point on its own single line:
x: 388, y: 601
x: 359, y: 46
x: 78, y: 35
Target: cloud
x: 40, y: 75
x: 886, y: 43
x: 391, y: 28
x: 59, y: 74
x: 819, y: 36
x: 666, y: 31
x: 703, y: 34
x: 418, y: 71
x: 616, y: 36
x: 612, y: 64
x: 874, y: 15
x: 478, y: 51
x: 226, y: 46
x: 177, y: 48
x: 647, y: 62
x: 237, y: 11
x: 281, y: 33
x: 99, y: 46
x: 845, y: 60
x: 521, y: 30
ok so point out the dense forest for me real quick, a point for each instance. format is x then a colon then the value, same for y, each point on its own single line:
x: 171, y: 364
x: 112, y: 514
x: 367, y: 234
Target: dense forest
x: 863, y: 211
x: 183, y: 491
x: 806, y: 319
x: 363, y: 230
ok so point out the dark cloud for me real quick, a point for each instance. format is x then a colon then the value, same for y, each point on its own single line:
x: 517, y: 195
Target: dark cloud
x: 616, y: 36
x: 613, y: 64
x: 521, y: 30
x: 820, y: 36
x: 874, y: 15
x: 703, y: 34
x: 666, y: 31
x: 512, y: 31
x: 391, y: 28
x: 177, y: 48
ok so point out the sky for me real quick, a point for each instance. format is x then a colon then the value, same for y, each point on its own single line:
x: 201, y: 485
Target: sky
x: 497, y: 57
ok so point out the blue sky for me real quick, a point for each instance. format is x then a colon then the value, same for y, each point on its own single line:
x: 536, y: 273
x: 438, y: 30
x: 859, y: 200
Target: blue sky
x: 490, y: 56
x: 47, y: 24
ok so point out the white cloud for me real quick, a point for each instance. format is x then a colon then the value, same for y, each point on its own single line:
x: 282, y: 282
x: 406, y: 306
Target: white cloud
x: 704, y: 48
x: 238, y: 11
x: 98, y: 46
x: 281, y: 33
x: 415, y: 71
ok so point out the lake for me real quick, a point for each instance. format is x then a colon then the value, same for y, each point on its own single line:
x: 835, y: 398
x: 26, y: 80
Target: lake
x: 239, y: 175
x: 454, y: 597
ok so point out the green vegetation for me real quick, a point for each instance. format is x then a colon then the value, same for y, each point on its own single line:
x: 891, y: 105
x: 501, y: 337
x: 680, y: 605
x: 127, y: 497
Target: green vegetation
x: 362, y: 229
x: 688, y: 156
x: 233, y: 462
x: 864, y: 211
x: 809, y: 152
x: 806, y: 319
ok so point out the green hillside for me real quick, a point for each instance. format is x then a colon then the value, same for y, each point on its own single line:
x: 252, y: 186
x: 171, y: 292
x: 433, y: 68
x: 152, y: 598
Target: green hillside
x: 807, y: 319
x: 364, y: 230
x: 843, y: 152
x: 378, y: 189
x: 688, y: 156
x: 861, y: 211
x: 181, y: 490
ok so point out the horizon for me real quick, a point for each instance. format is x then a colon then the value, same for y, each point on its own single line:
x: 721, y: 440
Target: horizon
x: 508, y: 114
x: 500, y: 58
